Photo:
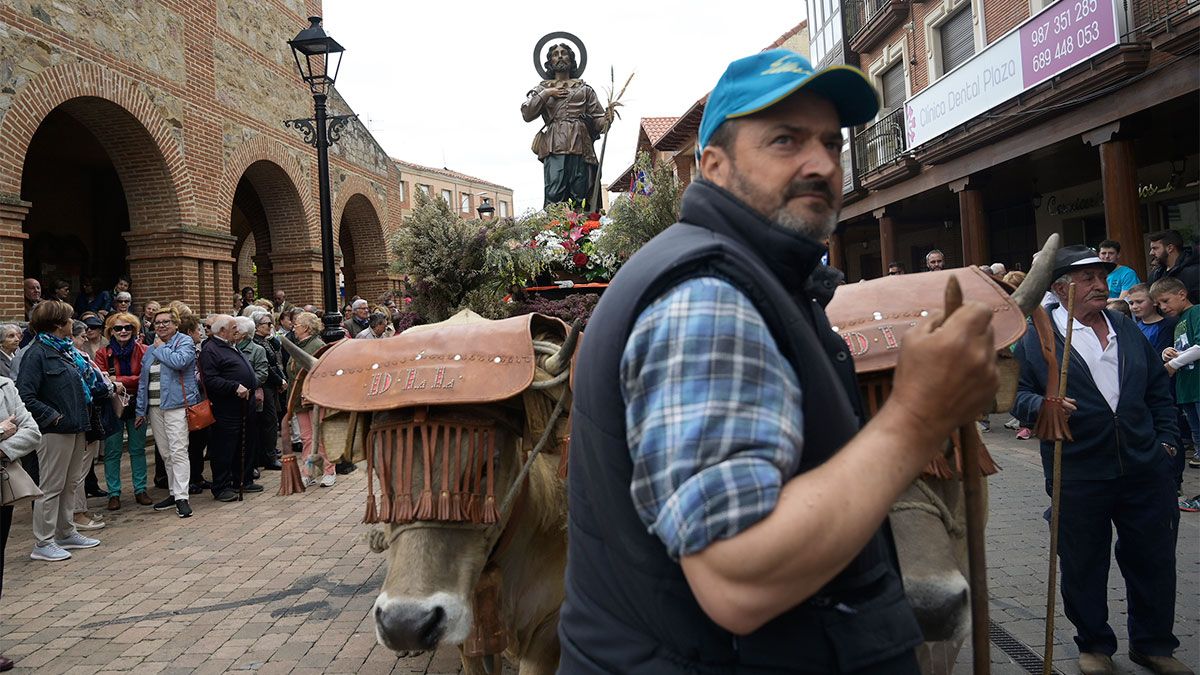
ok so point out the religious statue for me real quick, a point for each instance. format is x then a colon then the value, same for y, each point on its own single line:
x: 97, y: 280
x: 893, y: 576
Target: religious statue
x: 573, y: 118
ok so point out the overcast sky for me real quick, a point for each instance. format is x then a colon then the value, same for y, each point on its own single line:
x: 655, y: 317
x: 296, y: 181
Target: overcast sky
x: 441, y: 83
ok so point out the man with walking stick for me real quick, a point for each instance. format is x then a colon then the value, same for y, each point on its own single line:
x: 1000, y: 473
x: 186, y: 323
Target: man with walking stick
x: 1115, y: 467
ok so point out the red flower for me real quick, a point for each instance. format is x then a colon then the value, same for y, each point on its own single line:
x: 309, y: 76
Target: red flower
x: 580, y: 259
x: 591, y: 225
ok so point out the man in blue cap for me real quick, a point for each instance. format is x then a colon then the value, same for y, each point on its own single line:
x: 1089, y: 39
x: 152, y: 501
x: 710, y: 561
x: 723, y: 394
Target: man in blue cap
x: 727, y: 507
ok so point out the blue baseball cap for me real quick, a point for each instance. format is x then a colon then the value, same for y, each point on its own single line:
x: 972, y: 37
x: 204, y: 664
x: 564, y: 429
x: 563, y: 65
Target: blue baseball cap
x: 757, y: 82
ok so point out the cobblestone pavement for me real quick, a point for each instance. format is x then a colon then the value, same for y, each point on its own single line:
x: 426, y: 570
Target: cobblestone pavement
x: 285, y: 585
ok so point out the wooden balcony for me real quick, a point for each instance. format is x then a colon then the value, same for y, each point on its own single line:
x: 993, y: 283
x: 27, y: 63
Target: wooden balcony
x: 870, y: 21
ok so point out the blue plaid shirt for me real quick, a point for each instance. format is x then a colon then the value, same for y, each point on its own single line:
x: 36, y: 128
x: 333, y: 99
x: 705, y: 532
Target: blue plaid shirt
x: 712, y: 412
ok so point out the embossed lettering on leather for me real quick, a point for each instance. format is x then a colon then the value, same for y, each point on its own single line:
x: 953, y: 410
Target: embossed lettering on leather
x: 873, y: 316
x: 452, y: 364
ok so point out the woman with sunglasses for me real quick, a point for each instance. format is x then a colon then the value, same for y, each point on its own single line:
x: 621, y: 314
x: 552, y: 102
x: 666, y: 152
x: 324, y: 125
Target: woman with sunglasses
x: 122, y: 360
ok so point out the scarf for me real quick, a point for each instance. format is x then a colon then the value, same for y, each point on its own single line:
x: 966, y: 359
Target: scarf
x: 66, y: 348
x: 124, y: 355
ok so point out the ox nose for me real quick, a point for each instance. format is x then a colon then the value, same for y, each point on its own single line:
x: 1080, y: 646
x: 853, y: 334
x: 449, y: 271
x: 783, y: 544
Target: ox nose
x: 407, y: 627
x: 941, y: 606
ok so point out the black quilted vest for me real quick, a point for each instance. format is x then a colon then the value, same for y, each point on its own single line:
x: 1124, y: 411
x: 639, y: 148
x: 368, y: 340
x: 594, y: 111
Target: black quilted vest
x: 628, y: 607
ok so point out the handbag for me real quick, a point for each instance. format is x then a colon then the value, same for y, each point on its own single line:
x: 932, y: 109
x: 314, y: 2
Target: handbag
x: 15, y: 485
x: 200, y: 415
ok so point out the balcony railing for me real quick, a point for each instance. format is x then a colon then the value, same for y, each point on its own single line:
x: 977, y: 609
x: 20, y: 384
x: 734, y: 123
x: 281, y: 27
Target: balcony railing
x: 1150, y: 15
x: 880, y: 143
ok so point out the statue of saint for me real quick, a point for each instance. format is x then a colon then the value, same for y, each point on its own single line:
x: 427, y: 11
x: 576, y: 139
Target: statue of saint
x: 573, y: 119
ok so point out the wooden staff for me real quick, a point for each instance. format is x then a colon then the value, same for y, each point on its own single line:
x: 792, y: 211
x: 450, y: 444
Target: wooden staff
x: 1056, y: 493
x: 971, y: 446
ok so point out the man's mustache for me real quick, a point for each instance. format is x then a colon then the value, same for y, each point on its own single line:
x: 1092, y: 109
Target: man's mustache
x: 815, y: 186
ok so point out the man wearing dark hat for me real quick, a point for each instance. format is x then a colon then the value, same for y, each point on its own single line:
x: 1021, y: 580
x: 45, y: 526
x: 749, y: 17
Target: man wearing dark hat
x: 727, y: 512
x: 1116, y: 469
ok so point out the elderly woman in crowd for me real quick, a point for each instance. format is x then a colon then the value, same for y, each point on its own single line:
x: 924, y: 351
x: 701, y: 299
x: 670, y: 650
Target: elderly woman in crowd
x: 268, y: 419
x: 166, y: 386
x: 90, y: 486
x: 257, y: 356
x: 10, y: 342
x: 19, y: 436
x: 57, y: 384
x: 93, y: 335
x: 122, y: 302
x: 307, y: 329
x: 189, y: 325
x: 122, y: 360
x: 148, y: 311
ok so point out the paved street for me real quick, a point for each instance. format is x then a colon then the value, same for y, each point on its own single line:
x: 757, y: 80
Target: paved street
x: 285, y: 585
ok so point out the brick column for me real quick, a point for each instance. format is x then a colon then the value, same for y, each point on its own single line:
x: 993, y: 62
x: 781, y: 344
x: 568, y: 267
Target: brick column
x: 13, y: 211
x: 887, y: 239
x: 973, y: 221
x: 298, y: 273
x: 194, y: 266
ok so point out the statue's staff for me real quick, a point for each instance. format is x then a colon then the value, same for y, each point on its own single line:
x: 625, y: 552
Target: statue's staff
x: 611, y: 110
x: 1052, y: 423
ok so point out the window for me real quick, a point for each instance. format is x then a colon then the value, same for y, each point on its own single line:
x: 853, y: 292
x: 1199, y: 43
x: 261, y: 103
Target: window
x: 447, y: 197
x: 424, y: 189
x: 465, y: 202
x: 958, y: 39
x: 503, y: 209
x: 403, y: 191
x: 892, y: 84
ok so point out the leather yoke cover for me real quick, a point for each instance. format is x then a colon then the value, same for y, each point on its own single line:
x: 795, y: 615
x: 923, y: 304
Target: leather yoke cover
x: 454, y: 364
x: 873, y: 316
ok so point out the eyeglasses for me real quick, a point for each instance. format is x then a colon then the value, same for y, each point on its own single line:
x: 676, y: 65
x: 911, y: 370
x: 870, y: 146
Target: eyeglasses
x: 122, y: 328
x: 167, y: 322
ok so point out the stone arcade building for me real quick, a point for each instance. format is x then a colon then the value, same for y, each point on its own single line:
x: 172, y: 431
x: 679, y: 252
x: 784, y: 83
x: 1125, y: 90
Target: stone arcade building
x: 147, y: 138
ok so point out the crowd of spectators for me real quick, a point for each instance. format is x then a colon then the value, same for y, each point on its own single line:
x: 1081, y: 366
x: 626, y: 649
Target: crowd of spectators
x: 103, y: 378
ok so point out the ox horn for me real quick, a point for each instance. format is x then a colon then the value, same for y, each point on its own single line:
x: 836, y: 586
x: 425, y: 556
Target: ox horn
x: 1031, y: 291
x: 561, y: 359
x: 307, y: 361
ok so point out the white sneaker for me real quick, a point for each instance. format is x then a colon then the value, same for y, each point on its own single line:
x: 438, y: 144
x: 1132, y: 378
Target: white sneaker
x: 327, y: 480
x: 308, y: 482
x: 91, y: 524
x: 49, y: 552
x: 77, y: 541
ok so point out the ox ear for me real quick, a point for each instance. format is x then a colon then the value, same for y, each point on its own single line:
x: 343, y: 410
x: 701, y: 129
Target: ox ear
x: 1029, y: 294
x: 307, y: 361
x: 559, y: 361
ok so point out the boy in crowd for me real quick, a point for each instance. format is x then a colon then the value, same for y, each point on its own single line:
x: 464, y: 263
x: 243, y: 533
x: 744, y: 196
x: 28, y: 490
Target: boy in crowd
x: 1183, y: 358
x: 1158, y: 329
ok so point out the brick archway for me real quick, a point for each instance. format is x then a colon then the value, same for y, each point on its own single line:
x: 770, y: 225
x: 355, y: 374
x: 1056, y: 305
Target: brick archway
x: 143, y: 147
x: 359, y: 234
x: 264, y: 149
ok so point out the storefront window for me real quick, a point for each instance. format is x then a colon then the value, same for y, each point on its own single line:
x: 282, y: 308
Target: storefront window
x: 1184, y: 217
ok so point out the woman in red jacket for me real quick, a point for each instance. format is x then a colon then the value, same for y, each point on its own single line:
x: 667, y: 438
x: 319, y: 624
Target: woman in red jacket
x: 122, y: 360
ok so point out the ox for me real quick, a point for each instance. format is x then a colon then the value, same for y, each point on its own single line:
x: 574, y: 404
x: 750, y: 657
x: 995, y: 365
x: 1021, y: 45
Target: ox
x: 463, y: 420
x: 495, y: 583
x: 929, y: 519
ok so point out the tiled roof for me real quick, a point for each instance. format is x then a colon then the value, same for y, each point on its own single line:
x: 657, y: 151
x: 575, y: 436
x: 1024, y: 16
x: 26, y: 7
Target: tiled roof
x: 655, y: 127
x: 448, y: 173
x: 624, y: 181
x: 787, y: 36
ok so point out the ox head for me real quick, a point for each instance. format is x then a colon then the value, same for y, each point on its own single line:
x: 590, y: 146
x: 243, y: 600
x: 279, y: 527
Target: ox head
x: 929, y: 520
x: 439, y: 541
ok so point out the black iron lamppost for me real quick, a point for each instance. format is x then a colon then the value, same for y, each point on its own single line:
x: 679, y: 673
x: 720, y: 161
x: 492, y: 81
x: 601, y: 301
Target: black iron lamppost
x: 486, y: 209
x: 314, y: 50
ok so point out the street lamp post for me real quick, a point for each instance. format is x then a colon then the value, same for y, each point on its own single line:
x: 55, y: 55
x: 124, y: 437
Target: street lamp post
x: 321, y: 131
x: 486, y: 209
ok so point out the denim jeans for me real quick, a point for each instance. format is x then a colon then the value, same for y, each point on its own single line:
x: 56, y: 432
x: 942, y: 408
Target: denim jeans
x: 137, y: 458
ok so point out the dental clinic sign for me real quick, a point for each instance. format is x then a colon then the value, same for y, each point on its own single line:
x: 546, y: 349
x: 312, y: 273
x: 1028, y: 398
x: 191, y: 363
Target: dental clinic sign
x: 1062, y: 35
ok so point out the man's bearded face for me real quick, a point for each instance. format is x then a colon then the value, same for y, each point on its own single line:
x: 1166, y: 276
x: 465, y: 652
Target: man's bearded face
x: 562, y: 60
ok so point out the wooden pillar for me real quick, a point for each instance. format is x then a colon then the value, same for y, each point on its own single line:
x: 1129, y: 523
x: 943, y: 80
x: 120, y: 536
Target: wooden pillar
x: 837, y: 255
x: 887, y: 239
x: 973, y: 221
x: 1122, y: 216
x: 1118, y: 176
